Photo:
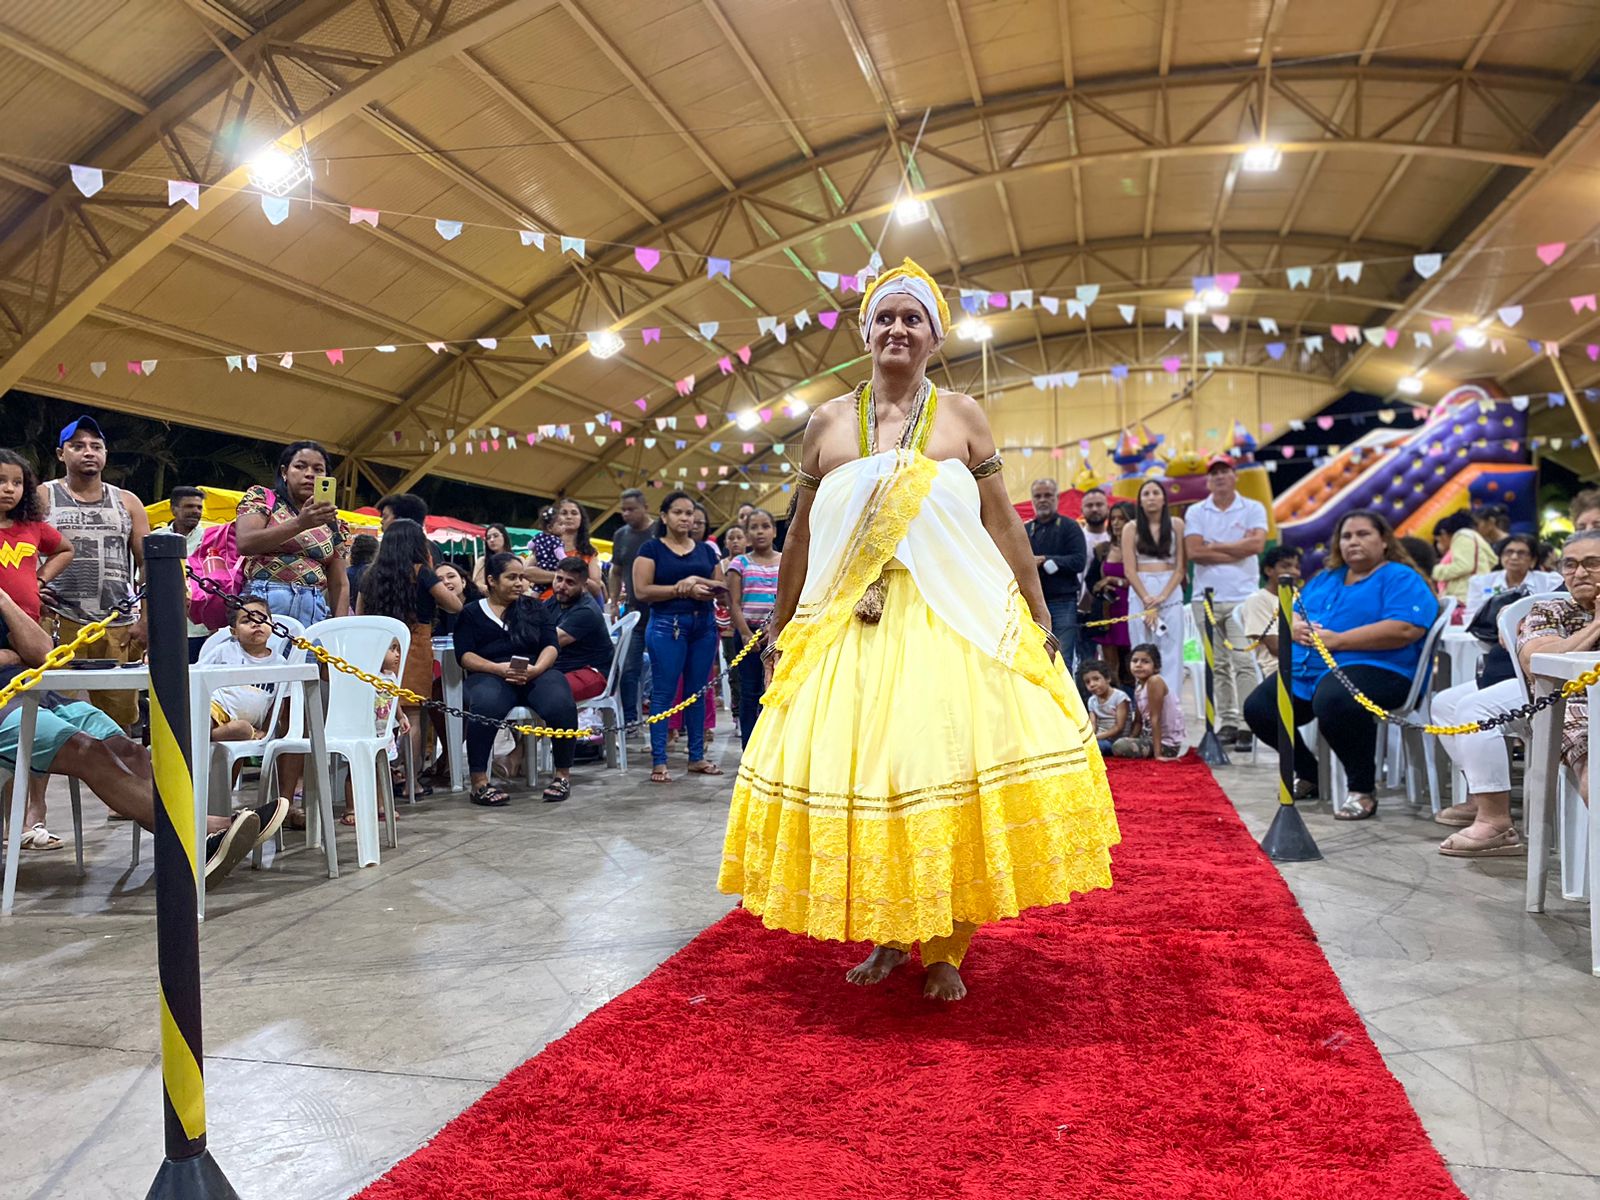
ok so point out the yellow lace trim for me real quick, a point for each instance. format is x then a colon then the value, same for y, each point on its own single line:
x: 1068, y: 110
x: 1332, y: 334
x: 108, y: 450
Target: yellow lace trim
x: 895, y: 501
x: 1006, y: 849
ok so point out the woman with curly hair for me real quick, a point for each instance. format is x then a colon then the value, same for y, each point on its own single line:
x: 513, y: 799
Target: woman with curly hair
x: 401, y: 583
x: 32, y: 551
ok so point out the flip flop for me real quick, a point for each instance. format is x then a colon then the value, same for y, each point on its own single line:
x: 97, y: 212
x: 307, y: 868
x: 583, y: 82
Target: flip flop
x: 1505, y: 844
x: 704, y: 767
x: 40, y: 838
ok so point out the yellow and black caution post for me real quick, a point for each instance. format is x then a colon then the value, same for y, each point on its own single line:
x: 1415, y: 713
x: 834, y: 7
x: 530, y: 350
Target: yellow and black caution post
x: 189, y: 1172
x: 1288, y: 839
x: 1211, y: 750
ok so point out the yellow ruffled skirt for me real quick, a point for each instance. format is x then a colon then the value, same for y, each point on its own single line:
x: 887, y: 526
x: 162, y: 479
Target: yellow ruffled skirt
x: 911, y: 783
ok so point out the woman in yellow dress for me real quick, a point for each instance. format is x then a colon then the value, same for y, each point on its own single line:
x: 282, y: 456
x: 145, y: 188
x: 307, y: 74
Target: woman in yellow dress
x: 921, y: 766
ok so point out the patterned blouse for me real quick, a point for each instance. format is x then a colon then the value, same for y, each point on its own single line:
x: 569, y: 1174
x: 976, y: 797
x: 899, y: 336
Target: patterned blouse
x: 1563, y: 619
x: 302, y: 562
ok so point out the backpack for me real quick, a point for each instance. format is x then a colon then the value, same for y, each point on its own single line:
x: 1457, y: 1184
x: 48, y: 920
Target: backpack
x: 216, y: 560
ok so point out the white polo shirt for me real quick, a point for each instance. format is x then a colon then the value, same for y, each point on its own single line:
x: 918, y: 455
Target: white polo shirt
x: 1234, y: 581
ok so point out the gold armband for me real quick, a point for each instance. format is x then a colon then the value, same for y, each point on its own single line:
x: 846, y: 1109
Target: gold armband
x: 802, y: 479
x: 988, y: 466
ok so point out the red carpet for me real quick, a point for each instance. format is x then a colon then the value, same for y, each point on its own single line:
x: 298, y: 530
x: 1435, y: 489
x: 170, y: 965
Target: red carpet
x: 1179, y: 1036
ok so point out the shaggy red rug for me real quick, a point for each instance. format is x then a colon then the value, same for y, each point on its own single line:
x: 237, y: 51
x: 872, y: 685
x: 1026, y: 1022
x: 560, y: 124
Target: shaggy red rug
x: 1179, y: 1036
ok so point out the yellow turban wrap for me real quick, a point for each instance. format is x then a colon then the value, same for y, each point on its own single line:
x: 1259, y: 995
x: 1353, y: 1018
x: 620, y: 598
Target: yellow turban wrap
x: 910, y: 280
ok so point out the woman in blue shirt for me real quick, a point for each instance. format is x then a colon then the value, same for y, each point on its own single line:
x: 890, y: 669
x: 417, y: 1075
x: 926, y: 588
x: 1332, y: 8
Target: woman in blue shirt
x: 678, y: 578
x: 1372, y: 608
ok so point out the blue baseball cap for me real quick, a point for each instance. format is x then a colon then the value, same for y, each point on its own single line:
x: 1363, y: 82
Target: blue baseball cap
x: 82, y: 423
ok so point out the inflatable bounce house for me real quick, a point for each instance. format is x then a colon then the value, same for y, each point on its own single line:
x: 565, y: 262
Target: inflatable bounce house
x: 1471, y: 450
x: 1184, y: 475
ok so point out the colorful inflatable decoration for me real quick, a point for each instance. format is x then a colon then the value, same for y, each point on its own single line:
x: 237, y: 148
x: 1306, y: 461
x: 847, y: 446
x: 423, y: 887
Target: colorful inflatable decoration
x: 1185, y: 474
x: 1471, y: 450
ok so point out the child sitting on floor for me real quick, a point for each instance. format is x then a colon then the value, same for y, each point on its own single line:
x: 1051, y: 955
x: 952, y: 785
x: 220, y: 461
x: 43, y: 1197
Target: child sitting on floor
x: 1107, y: 705
x: 239, y: 713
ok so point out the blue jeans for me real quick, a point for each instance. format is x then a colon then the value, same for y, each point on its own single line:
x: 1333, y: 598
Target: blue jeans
x: 634, y: 668
x: 752, y: 684
x: 1064, y: 624
x: 682, y: 646
x: 305, y: 604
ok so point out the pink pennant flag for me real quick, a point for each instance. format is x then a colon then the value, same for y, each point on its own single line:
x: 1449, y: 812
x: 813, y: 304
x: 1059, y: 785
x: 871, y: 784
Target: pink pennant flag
x: 494, y: 443
x: 725, y: 365
x: 134, y: 368
x: 1593, y: 352
x: 642, y: 403
x: 1390, y: 337
x: 748, y: 447
x: 363, y: 216
x: 700, y: 420
x: 1221, y: 321
x: 1579, y: 303
x: 1288, y: 451
x: 828, y: 319
x: 1442, y: 324
x: 616, y: 426
x: 1172, y: 365
x: 1228, y: 283
x: 61, y: 370
x: 849, y: 283
x: 648, y: 258
x: 1324, y: 423
x: 685, y: 385
x: 628, y: 441
x: 998, y: 300
x: 1550, y: 251
x: 744, y: 355
x: 336, y: 357
x: 650, y: 335
x: 766, y: 415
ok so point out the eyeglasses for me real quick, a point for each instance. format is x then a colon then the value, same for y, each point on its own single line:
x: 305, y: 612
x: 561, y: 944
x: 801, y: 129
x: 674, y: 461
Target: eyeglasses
x: 1589, y: 566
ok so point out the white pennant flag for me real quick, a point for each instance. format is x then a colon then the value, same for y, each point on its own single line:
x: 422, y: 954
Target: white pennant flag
x: 781, y: 332
x: 828, y: 279
x: 489, y: 343
x: 1050, y: 304
x: 148, y: 365
x: 1268, y: 324
x: 1088, y: 293
x: 87, y: 180
x: 531, y: 237
x: 1174, y: 319
x: 1075, y: 308
x: 235, y: 362
x: 287, y: 361
x: 766, y: 324
x: 1128, y: 312
x: 1022, y: 298
x: 708, y: 329
x: 184, y: 190
x: 542, y: 340
x: 802, y: 319
x: 1350, y: 272
x: 1428, y: 265
x: 249, y: 361
x: 97, y: 369
x: 1421, y: 339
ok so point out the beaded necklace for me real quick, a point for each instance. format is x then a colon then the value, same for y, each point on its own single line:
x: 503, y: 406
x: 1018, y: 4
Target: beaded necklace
x: 919, y: 421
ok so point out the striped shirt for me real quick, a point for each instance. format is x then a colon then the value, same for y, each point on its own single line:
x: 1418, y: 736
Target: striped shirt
x: 760, y: 582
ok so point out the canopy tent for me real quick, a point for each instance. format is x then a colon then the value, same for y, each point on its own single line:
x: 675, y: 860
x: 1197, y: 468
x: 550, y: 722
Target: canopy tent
x: 222, y: 505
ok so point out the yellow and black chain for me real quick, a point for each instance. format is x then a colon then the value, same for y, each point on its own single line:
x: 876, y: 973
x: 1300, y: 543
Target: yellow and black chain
x: 1570, y: 688
x: 61, y: 655
x: 1217, y: 625
x: 1119, y: 620
x: 388, y: 687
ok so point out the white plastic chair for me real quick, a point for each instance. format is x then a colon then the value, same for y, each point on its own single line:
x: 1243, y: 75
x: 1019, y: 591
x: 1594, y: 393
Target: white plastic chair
x: 225, y: 755
x: 1572, y: 815
x: 363, y: 642
x: 610, y: 700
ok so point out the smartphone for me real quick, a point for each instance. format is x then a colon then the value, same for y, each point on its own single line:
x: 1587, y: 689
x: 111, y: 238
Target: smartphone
x: 325, y: 488
x: 519, y: 664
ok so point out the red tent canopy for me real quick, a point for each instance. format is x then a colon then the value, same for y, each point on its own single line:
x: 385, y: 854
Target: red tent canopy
x: 440, y: 524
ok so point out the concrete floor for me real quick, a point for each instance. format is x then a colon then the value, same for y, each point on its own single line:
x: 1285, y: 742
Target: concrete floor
x: 347, y: 1019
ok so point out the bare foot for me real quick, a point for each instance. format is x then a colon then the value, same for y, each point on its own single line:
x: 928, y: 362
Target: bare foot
x: 876, y: 966
x: 944, y: 983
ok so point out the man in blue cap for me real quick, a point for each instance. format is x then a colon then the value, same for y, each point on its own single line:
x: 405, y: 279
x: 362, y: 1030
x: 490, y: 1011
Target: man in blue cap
x: 106, y: 526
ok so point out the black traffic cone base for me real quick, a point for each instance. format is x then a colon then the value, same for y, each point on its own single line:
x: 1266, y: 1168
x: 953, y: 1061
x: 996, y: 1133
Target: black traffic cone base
x: 197, y: 1178
x: 1211, y: 751
x: 1288, y: 839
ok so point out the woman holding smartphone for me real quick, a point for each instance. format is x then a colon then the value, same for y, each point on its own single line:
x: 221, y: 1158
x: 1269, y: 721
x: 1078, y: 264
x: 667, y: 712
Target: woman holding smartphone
x: 506, y: 644
x: 679, y: 577
x: 294, y: 546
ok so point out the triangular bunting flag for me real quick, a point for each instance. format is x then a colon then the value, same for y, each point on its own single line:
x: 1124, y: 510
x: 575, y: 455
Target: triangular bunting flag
x: 1128, y: 312
x: 448, y: 230
x: 1348, y: 272
x: 186, y: 190
x: 1298, y: 277
x: 719, y: 266
x: 647, y: 258
x: 88, y: 180
x: 531, y: 237
x: 572, y: 245
x: 276, y: 209
x: 1427, y: 265
x: 363, y: 216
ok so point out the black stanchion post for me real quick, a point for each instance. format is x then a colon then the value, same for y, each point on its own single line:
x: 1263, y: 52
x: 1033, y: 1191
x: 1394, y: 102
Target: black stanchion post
x: 1211, y: 751
x: 1288, y: 839
x: 189, y: 1172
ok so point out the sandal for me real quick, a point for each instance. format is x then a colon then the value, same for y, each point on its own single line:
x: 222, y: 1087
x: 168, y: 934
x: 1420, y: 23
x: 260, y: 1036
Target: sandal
x: 558, y: 791
x: 489, y: 796
x: 659, y: 775
x: 1458, y: 815
x: 1305, y: 789
x: 1505, y: 844
x: 348, y: 820
x: 1351, y: 809
x: 703, y: 767
x: 40, y: 838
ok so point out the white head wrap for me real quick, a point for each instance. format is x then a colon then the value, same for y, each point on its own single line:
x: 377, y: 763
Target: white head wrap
x: 909, y: 285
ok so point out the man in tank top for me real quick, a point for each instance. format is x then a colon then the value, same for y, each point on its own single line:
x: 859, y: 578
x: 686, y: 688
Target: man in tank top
x: 106, y: 526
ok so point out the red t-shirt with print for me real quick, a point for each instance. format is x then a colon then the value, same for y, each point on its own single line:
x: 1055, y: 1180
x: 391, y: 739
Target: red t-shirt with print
x: 22, y: 547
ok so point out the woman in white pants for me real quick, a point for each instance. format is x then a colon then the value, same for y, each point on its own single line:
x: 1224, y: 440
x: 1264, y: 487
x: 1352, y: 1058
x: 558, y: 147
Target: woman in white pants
x: 1152, y: 548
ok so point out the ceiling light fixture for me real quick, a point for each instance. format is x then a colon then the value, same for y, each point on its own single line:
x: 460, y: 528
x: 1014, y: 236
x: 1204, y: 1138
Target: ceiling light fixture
x: 1214, y: 297
x: 974, y: 330
x: 604, y: 343
x: 910, y: 210
x: 1262, y: 157
x: 746, y: 419
x: 1473, y: 337
x: 796, y: 406
x: 276, y: 171
x: 1194, y: 307
x: 1411, y: 385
